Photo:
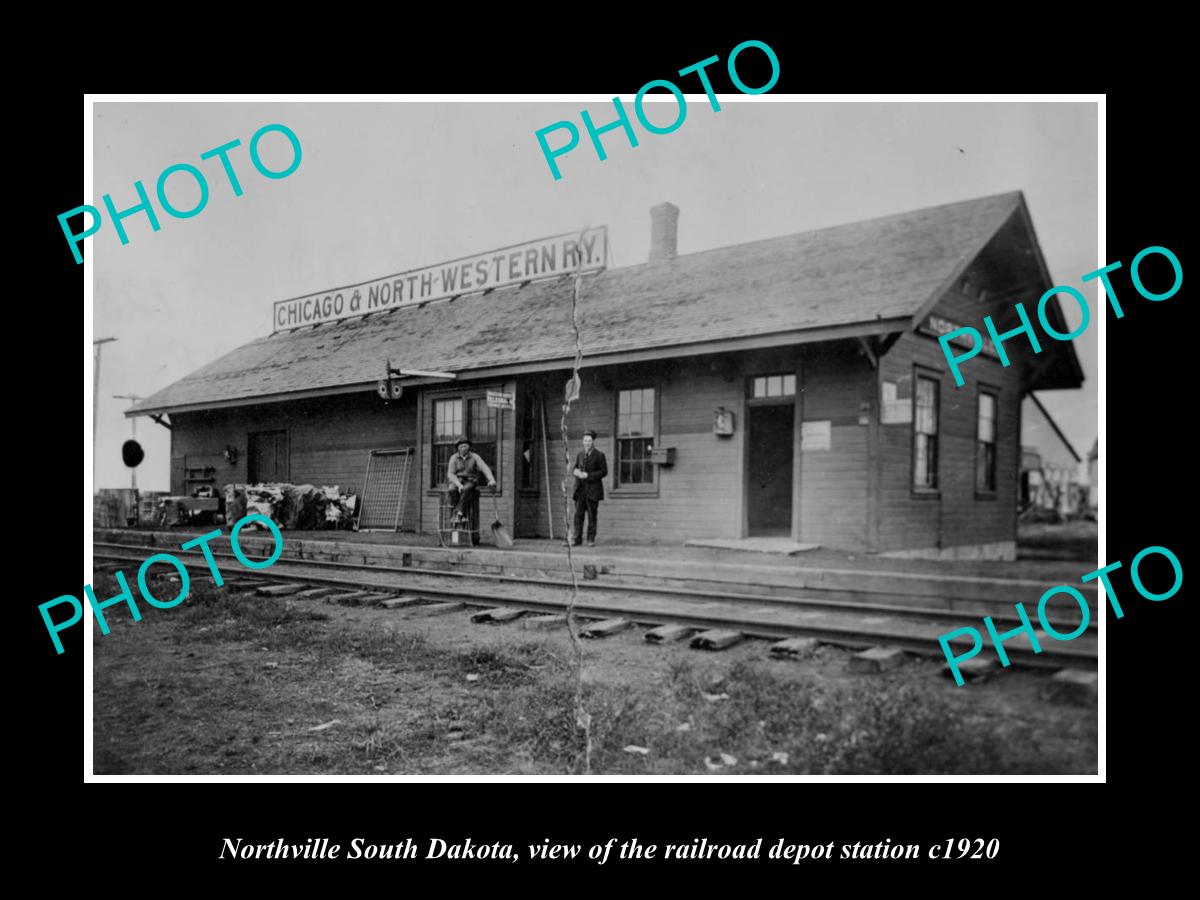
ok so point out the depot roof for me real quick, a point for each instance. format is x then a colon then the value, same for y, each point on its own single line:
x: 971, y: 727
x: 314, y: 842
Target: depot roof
x: 874, y: 277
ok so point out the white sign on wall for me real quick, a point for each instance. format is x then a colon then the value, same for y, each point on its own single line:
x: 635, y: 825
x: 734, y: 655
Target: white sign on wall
x: 500, y: 400
x: 815, y: 435
x: 894, y: 410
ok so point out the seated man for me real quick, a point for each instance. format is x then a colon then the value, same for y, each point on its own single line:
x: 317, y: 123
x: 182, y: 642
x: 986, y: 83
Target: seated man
x: 463, y: 473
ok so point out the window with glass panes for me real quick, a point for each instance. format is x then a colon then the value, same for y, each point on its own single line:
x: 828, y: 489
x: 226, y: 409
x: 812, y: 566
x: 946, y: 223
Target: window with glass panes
x: 635, y: 437
x: 447, y: 425
x: 453, y: 416
x: 763, y: 387
x: 985, y: 444
x: 483, y: 427
x: 925, y: 434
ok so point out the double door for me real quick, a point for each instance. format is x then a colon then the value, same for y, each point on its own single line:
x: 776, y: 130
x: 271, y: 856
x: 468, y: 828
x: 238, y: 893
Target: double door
x: 267, y: 457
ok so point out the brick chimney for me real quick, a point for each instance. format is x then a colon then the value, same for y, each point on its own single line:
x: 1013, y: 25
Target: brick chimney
x: 664, y: 220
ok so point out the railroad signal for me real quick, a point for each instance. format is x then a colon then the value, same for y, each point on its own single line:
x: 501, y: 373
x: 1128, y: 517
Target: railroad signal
x: 132, y: 453
x: 387, y: 388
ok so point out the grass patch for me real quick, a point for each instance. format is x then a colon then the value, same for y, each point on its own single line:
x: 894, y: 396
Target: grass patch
x: 1074, y: 540
x: 406, y: 704
x: 823, y: 727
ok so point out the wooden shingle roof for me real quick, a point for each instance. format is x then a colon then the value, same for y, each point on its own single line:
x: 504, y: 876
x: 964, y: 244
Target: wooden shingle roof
x: 873, y: 275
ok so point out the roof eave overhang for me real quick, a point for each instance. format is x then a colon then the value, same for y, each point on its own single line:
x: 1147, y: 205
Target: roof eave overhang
x: 879, y: 326
x: 1076, y: 377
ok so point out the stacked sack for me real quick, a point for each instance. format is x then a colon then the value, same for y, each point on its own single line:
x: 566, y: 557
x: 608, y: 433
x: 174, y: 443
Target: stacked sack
x: 339, y: 508
x: 302, y: 507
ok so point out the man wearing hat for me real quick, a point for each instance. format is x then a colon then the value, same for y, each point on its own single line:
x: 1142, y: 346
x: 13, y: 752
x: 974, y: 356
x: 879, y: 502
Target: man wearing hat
x: 591, y: 468
x: 463, y: 473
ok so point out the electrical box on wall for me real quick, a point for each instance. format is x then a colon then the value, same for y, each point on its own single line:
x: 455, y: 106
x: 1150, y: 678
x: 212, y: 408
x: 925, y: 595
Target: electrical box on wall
x: 722, y: 422
x: 663, y: 456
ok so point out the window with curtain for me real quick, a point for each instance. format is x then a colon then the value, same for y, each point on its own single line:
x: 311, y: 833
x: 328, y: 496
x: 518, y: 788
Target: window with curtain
x: 985, y: 444
x: 925, y: 434
x: 447, y: 425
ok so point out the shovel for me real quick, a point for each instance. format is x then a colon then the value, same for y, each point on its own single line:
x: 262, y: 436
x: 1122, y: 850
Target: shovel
x: 499, y: 534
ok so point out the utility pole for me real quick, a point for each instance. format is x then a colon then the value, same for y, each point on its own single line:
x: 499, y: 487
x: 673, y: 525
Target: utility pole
x: 132, y: 398
x: 96, y: 348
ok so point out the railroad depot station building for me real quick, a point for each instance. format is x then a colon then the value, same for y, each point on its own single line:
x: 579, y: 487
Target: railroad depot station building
x: 790, y: 387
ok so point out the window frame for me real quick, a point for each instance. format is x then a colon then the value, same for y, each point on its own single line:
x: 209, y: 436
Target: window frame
x: 614, y: 469
x: 985, y: 493
x: 465, y: 397
x: 934, y: 490
x: 782, y: 398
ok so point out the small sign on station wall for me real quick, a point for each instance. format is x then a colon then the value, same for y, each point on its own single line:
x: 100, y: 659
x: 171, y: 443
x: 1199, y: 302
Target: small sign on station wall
x: 500, y: 400
x: 815, y: 435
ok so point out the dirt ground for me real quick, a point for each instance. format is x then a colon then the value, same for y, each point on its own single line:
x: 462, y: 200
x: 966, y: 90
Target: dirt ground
x: 1074, y: 540
x: 233, y: 684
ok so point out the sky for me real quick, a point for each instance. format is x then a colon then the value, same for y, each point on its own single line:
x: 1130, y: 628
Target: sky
x: 386, y: 187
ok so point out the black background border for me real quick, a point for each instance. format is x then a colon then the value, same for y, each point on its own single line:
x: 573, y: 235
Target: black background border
x: 179, y: 826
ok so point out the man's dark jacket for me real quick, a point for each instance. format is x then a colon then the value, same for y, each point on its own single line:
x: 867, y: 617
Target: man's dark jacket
x: 596, y: 467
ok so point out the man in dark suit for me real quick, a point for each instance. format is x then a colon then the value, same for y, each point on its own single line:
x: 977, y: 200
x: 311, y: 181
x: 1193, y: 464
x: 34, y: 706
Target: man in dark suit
x: 591, y: 468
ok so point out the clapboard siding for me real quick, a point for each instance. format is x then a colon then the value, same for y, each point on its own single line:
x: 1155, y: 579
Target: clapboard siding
x: 700, y: 496
x: 957, y: 515
x: 856, y: 495
x: 329, y: 440
x: 836, y: 380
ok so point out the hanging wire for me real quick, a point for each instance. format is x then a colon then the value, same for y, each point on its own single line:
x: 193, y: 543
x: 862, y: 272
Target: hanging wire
x: 583, y: 719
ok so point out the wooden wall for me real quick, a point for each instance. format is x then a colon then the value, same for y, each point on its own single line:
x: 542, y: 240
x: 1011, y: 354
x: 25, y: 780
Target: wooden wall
x: 700, y: 496
x: 329, y: 439
x: 956, y: 515
x: 837, y: 386
x: 855, y: 495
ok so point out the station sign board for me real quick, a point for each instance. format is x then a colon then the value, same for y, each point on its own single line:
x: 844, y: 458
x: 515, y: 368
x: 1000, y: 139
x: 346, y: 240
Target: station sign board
x: 561, y: 254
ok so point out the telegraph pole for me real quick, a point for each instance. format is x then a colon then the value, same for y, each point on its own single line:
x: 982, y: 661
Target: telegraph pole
x: 96, y: 348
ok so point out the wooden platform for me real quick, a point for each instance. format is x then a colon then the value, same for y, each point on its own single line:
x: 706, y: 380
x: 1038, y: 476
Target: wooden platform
x: 786, y: 546
x: 780, y: 582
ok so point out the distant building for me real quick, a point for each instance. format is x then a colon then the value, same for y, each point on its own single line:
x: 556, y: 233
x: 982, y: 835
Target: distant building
x: 1093, y: 459
x: 1052, y: 474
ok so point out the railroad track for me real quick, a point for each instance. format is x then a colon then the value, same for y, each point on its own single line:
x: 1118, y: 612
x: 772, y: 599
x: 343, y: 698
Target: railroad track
x: 950, y: 617
x: 853, y: 624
